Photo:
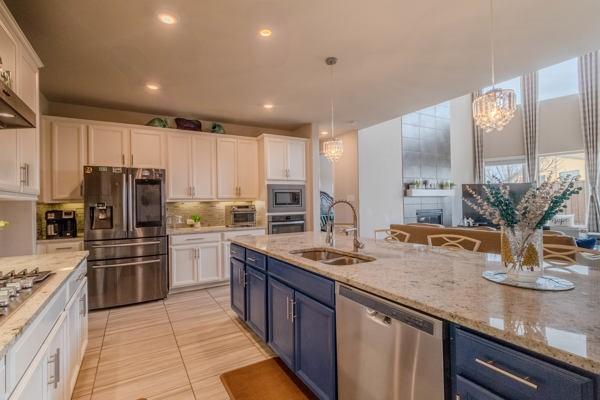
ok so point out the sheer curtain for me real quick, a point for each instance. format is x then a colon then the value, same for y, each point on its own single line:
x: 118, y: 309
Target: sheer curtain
x: 478, y: 147
x: 589, y: 107
x: 529, y: 92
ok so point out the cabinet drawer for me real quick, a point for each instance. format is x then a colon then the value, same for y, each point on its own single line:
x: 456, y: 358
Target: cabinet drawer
x: 512, y: 374
x: 313, y: 285
x: 257, y: 260
x: 237, y: 252
x: 195, y: 238
x: 467, y: 390
x: 253, y: 232
x: 26, y: 347
x: 76, y: 278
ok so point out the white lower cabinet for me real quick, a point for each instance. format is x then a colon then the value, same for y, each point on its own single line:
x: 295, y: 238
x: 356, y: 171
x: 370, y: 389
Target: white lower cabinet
x: 201, y: 259
x: 52, y: 372
x: 195, y: 260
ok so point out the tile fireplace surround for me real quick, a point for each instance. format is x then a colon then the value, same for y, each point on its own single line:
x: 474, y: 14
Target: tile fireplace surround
x: 426, y: 156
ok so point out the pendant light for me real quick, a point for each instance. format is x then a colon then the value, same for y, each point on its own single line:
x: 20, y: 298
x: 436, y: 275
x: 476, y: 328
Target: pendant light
x: 333, y: 148
x: 494, y: 109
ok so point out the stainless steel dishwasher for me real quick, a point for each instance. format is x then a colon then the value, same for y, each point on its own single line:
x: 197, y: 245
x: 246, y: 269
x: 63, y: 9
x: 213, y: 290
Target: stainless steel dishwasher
x: 386, y: 351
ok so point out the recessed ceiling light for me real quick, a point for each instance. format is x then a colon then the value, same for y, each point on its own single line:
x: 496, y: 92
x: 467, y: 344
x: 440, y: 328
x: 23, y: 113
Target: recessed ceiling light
x: 6, y: 115
x: 268, y: 106
x: 323, y: 133
x: 167, y: 19
x: 152, y: 86
x: 265, y: 32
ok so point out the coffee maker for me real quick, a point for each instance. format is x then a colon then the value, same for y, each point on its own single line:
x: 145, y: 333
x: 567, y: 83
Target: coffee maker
x: 60, y: 224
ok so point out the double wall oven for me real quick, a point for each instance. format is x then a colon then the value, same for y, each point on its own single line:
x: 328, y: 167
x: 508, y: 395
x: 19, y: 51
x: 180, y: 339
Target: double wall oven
x: 286, y: 210
x: 125, y: 233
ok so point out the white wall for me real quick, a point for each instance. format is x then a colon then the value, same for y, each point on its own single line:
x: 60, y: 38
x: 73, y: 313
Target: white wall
x: 462, y: 151
x: 380, y: 176
x: 326, y: 175
x: 311, y: 132
x: 19, y: 238
x: 559, y: 130
x: 345, y: 177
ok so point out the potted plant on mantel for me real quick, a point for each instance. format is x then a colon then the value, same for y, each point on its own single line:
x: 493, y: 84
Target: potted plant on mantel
x: 522, y: 247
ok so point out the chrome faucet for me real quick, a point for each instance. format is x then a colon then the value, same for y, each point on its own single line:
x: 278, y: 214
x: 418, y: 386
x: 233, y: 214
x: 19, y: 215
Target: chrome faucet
x: 330, y: 239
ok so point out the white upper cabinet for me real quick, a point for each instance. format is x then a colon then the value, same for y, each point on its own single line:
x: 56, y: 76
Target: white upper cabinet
x: 285, y: 159
x: 179, y: 166
x: 204, y: 165
x: 9, y: 161
x: 191, y: 166
x: 68, y: 156
x: 237, y: 168
x: 275, y: 160
x: 108, y: 145
x: 19, y: 149
x: 247, y: 168
x: 147, y: 149
x: 296, y: 160
x: 227, y: 187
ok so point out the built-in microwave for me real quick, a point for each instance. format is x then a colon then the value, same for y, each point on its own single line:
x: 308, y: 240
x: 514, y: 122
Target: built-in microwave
x: 286, y: 198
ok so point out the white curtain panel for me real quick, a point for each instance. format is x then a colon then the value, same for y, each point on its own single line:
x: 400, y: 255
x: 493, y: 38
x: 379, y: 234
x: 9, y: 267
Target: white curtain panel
x: 478, y: 146
x: 589, y: 94
x: 529, y: 93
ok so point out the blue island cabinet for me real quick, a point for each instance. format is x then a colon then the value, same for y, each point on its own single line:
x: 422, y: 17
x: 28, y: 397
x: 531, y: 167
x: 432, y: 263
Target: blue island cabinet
x: 485, y: 369
x: 256, y: 301
x: 301, y: 328
x: 237, y: 285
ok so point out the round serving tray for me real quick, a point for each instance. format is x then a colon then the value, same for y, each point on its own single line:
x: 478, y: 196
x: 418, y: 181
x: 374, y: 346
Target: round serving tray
x: 545, y: 282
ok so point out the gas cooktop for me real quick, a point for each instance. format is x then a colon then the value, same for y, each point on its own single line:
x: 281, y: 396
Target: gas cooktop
x: 17, y: 287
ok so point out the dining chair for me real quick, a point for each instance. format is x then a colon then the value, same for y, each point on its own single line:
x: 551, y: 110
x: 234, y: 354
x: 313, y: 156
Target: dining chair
x: 393, y: 235
x: 560, y: 254
x: 458, y: 241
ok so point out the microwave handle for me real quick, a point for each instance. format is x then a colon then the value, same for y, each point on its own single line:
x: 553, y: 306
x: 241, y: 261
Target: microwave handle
x: 288, y: 223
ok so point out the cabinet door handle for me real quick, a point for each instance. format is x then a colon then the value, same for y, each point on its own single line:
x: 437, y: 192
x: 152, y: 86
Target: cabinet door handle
x: 81, y: 189
x: 83, y: 305
x: 492, y: 366
x: 287, y: 308
x: 252, y: 259
x: 132, y: 159
x: 122, y: 159
x: 55, y: 359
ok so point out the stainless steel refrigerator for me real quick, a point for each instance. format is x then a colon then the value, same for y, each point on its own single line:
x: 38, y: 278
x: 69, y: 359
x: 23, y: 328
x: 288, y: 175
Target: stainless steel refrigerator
x: 125, y: 233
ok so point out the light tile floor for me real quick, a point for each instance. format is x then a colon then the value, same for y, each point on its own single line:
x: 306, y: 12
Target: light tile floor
x: 173, y: 349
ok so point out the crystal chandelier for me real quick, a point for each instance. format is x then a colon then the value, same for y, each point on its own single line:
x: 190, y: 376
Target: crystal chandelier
x: 333, y: 148
x: 494, y: 109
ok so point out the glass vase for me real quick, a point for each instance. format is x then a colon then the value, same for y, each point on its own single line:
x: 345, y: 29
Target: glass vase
x: 522, y: 253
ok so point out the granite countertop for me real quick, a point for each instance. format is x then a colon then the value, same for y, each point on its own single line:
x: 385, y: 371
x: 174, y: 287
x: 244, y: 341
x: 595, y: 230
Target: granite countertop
x: 62, y: 264
x: 447, y: 283
x: 211, y: 229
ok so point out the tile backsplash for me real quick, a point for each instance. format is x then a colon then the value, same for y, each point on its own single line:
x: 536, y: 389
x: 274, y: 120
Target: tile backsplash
x: 212, y: 212
x: 41, y: 216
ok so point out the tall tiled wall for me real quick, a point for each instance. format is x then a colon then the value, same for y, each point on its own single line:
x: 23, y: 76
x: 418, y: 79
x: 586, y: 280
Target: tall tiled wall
x: 426, y: 156
x: 212, y: 213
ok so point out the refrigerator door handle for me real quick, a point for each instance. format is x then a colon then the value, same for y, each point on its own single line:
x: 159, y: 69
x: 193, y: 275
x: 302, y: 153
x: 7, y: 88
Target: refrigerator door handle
x: 125, y: 200
x: 130, y: 202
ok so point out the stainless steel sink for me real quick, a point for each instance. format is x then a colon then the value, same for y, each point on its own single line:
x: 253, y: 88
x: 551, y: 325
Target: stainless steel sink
x: 332, y: 256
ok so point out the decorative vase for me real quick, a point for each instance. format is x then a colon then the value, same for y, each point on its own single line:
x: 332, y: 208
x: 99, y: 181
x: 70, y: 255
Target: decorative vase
x: 522, y: 253
x: 197, y: 224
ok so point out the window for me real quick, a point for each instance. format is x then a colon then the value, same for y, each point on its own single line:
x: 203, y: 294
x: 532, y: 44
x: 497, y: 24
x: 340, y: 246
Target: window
x: 505, y: 171
x: 567, y: 164
x: 558, y: 80
x: 514, y: 84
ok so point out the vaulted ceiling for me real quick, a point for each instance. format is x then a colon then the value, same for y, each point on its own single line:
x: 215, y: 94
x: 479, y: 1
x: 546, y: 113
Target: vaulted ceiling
x: 395, y: 56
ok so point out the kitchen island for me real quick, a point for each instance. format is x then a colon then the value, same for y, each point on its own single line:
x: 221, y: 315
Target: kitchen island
x: 42, y: 343
x: 560, y: 327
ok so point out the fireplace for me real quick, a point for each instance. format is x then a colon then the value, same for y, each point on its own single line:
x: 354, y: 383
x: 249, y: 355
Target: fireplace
x: 430, y: 216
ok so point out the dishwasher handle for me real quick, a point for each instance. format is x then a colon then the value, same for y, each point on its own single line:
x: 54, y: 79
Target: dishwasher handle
x: 378, y: 317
